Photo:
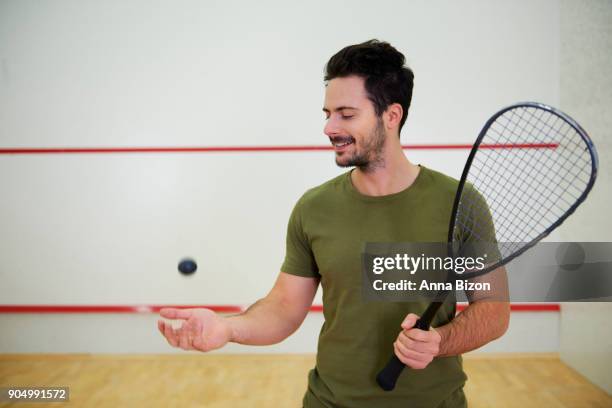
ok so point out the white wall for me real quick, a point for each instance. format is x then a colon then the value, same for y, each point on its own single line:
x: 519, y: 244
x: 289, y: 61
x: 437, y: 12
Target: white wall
x: 109, y: 229
x: 586, y: 84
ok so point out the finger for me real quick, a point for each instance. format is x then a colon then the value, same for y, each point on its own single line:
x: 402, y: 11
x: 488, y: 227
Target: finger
x: 187, y: 334
x: 170, y: 334
x: 414, y: 364
x: 411, y: 354
x: 421, y: 335
x: 185, y: 340
x: 171, y: 313
x: 420, y: 346
x: 160, y: 326
x: 198, y: 336
x: 409, y: 321
x: 197, y: 329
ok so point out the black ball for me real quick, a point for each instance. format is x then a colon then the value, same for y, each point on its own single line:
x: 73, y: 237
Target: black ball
x: 187, y: 266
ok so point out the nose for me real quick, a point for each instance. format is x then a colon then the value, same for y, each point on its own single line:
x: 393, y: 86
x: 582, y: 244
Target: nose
x: 331, y: 128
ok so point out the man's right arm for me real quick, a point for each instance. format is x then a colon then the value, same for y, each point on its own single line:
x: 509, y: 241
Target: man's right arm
x: 268, y: 321
x: 275, y: 317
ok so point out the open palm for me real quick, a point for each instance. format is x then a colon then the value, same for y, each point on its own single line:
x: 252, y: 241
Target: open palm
x: 201, y: 329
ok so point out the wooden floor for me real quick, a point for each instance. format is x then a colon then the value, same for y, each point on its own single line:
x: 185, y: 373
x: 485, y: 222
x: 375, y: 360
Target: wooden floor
x: 228, y: 381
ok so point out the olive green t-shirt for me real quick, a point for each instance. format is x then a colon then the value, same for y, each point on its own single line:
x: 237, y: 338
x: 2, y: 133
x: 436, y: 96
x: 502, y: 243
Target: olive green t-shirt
x: 327, y: 230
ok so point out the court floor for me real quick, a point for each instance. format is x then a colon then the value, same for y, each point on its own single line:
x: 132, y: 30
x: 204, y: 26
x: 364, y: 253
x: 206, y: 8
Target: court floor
x: 273, y: 380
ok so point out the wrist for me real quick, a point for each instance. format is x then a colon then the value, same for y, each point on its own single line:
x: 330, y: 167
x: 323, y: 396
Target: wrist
x: 443, y: 332
x: 234, y: 331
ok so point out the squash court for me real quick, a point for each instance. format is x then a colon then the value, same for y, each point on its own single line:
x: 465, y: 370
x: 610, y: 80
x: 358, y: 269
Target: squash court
x: 151, y: 155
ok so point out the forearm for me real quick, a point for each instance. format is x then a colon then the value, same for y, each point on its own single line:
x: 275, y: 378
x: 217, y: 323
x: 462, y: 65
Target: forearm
x: 268, y: 321
x: 480, y: 323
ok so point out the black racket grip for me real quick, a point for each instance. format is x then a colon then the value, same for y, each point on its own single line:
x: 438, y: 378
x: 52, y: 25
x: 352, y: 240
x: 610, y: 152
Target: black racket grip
x: 388, y: 376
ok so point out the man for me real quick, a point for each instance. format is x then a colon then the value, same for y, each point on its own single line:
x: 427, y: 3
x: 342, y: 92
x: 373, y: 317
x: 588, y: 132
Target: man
x: 385, y: 198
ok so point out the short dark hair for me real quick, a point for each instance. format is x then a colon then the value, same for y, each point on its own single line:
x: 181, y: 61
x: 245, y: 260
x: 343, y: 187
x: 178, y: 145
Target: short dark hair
x: 387, y: 80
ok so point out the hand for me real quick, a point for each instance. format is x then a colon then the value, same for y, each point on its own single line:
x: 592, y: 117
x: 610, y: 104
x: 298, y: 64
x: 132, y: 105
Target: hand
x: 202, y: 329
x: 414, y: 347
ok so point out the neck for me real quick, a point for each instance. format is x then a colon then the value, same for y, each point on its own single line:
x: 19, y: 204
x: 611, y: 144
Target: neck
x: 395, y: 174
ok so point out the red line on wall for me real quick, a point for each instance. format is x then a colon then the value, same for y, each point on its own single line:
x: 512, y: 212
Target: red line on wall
x: 45, y: 309
x: 109, y: 308
x: 212, y: 149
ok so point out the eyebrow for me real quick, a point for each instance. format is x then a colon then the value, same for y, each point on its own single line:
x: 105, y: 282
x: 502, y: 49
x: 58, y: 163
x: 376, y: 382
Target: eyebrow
x: 340, y: 108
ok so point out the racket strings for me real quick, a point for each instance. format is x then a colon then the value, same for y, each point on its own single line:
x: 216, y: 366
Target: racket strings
x: 531, y: 168
x: 521, y: 202
x: 526, y: 185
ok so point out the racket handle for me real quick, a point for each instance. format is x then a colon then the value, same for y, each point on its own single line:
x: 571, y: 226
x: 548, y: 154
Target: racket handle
x: 388, y: 376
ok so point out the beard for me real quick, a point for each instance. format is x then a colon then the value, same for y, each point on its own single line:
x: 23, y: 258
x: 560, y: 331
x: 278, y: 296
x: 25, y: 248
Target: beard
x: 368, y: 156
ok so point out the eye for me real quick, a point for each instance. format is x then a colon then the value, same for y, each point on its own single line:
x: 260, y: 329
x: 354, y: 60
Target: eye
x: 347, y: 116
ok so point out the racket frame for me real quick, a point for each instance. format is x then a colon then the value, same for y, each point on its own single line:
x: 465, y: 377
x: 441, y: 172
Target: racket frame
x: 468, y: 164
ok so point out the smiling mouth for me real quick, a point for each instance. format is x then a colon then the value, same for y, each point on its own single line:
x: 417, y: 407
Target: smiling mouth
x: 342, y: 143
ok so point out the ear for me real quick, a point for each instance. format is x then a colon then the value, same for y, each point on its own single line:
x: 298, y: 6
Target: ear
x: 393, y: 116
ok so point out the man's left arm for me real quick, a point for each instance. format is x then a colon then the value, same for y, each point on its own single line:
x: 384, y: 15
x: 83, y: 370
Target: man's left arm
x: 485, y: 319
x: 480, y: 323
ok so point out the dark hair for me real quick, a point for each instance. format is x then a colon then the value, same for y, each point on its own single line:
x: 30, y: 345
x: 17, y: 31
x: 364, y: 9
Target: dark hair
x: 387, y: 80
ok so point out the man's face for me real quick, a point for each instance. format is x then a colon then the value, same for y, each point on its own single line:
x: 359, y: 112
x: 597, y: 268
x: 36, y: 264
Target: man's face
x: 357, y: 134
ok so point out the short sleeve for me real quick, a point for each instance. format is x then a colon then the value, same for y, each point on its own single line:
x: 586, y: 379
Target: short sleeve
x: 476, y: 225
x: 299, y: 258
